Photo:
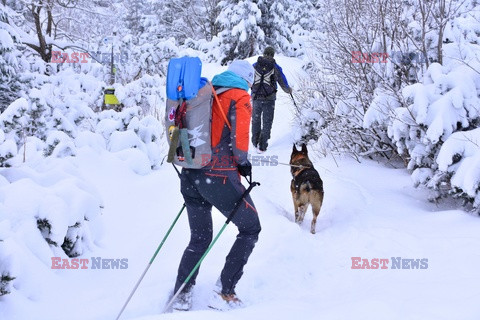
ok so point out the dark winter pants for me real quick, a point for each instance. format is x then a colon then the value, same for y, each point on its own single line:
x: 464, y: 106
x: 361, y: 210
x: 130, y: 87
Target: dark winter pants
x: 202, y: 189
x: 262, y: 119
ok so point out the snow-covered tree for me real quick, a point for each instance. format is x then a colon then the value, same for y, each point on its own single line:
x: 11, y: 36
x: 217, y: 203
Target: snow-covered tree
x: 458, y: 173
x: 341, y: 88
x: 187, y: 19
x: 135, y: 10
x: 442, y: 109
x: 445, y: 107
x: 240, y: 33
x: 286, y: 24
x: 10, y: 84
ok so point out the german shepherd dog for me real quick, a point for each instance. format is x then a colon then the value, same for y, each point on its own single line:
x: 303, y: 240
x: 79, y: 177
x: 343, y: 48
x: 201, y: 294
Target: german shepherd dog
x: 306, y: 186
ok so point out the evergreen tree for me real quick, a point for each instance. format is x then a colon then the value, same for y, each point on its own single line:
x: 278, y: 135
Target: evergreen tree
x: 187, y: 19
x: 10, y: 85
x: 241, y: 34
x: 134, y: 15
x: 283, y: 22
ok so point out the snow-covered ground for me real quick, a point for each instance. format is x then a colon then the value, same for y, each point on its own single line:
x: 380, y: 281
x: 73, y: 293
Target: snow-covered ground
x: 370, y: 211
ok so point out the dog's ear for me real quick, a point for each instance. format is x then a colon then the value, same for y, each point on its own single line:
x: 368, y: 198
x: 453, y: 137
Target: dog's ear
x: 304, y: 148
x: 294, y: 150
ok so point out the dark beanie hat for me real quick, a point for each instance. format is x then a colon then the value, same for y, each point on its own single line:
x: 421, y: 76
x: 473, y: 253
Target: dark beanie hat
x: 269, y: 51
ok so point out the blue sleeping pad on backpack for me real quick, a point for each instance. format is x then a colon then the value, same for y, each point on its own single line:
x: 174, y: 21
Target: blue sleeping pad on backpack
x: 184, y: 78
x: 189, y: 130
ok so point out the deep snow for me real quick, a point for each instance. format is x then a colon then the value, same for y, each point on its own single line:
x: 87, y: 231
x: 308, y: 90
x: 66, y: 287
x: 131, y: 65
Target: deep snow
x: 370, y: 211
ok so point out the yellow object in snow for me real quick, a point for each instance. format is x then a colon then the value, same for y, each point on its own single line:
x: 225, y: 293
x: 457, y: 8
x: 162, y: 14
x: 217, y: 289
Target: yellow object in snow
x: 110, y: 98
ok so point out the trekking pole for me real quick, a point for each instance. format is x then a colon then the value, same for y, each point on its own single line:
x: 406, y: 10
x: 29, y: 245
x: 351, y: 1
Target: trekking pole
x: 230, y: 217
x: 291, y: 95
x: 151, y: 261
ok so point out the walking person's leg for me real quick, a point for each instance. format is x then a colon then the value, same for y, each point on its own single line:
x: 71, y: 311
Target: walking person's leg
x: 256, y: 122
x: 200, y: 221
x: 268, y: 107
x: 248, y: 227
x: 223, y: 191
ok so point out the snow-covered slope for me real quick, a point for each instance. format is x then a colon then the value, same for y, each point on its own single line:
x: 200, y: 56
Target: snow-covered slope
x: 369, y: 211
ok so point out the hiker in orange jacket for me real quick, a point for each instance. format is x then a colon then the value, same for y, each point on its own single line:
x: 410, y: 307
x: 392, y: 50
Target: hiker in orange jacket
x: 218, y: 184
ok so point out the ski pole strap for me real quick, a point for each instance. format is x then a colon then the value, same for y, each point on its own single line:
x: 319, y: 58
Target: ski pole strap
x: 178, y: 172
x: 239, y: 202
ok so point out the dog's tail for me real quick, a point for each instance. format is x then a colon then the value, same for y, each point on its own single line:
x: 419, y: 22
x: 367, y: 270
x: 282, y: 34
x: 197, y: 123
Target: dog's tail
x: 304, y: 187
x: 308, y: 186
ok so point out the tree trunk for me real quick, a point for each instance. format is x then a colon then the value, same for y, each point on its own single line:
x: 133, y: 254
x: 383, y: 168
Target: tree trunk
x: 43, y: 49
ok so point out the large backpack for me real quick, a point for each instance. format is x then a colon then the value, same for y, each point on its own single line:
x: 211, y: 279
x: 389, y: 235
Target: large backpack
x: 188, y: 114
x: 265, y: 83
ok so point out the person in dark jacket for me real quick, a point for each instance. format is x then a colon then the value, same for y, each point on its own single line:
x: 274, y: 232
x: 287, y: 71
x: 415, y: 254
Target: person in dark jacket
x: 264, y: 93
x: 218, y: 184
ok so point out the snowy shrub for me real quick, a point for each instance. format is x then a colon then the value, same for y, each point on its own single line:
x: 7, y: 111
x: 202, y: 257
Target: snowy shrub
x: 148, y: 93
x: 444, y: 103
x: 57, y: 104
x: 50, y: 199
x: 8, y: 149
x: 121, y: 140
x: 433, y: 130
x: 59, y: 144
x: 337, y: 123
x: 124, y: 130
x: 458, y: 171
x: 432, y: 124
x: 13, y: 120
x: 5, y: 279
x: 74, y: 240
x: 147, y: 58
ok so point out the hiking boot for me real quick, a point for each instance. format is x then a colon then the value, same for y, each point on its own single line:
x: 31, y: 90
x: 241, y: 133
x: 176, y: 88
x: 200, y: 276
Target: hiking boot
x: 183, y: 301
x: 224, y: 302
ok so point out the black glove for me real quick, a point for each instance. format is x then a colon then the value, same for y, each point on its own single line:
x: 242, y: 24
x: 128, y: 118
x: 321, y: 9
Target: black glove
x: 245, y: 169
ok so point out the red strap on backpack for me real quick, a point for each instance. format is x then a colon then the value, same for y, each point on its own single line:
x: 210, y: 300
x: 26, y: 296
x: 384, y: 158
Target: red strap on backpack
x: 180, y: 115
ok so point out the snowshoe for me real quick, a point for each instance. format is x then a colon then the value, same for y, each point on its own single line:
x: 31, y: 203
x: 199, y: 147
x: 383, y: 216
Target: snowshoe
x: 224, y: 302
x: 183, y: 301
